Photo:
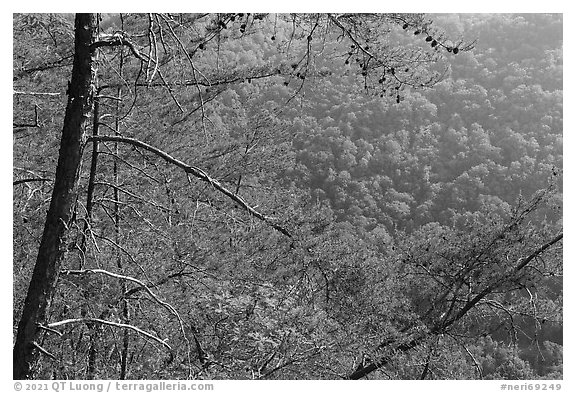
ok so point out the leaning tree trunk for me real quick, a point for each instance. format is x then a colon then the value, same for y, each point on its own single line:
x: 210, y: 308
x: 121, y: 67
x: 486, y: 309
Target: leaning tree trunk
x: 62, y: 205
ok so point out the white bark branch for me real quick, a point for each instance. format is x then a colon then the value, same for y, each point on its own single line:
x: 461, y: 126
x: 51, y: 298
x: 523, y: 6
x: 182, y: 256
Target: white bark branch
x: 196, y: 172
x: 164, y: 304
x: 34, y: 93
x: 127, y: 278
x: 42, y: 350
x: 109, y: 323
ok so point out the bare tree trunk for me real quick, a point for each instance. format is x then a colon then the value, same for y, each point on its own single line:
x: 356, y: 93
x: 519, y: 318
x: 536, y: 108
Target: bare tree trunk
x: 62, y: 205
x: 94, y: 330
x: 125, y: 306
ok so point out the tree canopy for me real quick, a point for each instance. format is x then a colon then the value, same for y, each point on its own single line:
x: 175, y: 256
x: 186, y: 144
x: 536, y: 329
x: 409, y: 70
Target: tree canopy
x: 287, y: 196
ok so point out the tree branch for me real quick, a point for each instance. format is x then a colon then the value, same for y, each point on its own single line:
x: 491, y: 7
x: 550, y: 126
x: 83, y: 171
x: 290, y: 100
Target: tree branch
x: 164, y: 304
x: 21, y: 181
x: 34, y: 93
x: 109, y: 323
x: 116, y: 39
x: 50, y: 330
x: 539, y: 251
x: 42, y: 350
x: 196, y: 172
x: 64, y: 62
x: 123, y: 277
x: 370, y: 367
x: 362, y: 372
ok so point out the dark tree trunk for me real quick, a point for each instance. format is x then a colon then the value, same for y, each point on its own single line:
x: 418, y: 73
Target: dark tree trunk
x: 62, y: 205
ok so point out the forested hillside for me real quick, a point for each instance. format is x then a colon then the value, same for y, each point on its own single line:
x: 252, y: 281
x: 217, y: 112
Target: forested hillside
x: 260, y: 196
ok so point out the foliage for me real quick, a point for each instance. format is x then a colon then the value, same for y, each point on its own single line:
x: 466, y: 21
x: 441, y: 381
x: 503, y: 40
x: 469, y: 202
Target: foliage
x: 299, y: 196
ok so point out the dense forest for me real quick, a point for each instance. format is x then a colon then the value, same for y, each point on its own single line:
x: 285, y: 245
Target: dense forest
x: 274, y: 196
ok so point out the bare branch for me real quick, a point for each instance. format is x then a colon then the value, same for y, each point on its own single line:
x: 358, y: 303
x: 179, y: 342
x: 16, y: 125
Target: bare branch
x: 196, y: 172
x: 123, y: 277
x: 476, y: 364
x: 64, y: 62
x: 50, y: 330
x: 539, y: 251
x: 116, y: 39
x: 164, y: 304
x: 43, y: 351
x: 131, y: 194
x: 443, y: 325
x: 109, y: 323
x: 34, y: 93
x: 30, y: 180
